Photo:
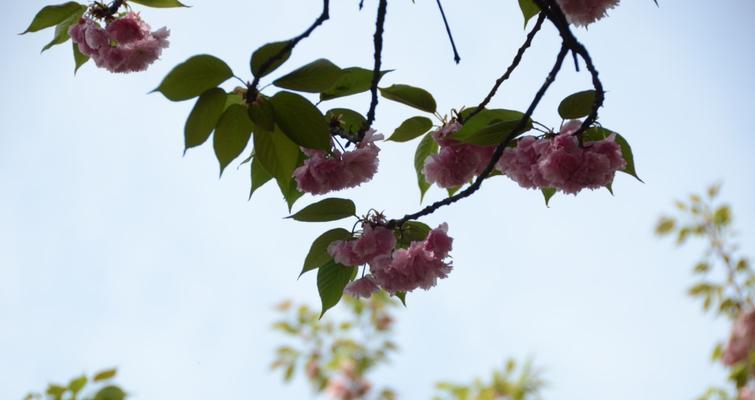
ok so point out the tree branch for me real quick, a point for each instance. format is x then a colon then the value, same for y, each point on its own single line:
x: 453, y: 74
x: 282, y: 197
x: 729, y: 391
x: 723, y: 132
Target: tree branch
x: 378, y: 44
x: 498, y: 151
x: 510, y: 70
x: 457, y: 58
x: 324, y: 16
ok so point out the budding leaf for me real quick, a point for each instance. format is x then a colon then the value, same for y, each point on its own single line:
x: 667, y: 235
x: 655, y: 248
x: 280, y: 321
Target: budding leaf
x: 260, y: 176
x: 491, y: 127
x: 412, y: 96
x: 353, y: 80
x: 577, y: 105
x: 110, y: 393
x: 318, y: 253
x: 529, y: 10
x: 159, y: 3
x: 301, y: 121
x: 204, y: 117
x: 350, y: 120
x: 315, y: 77
x: 411, y: 129
x: 193, y: 77
x: 599, y: 133
x: 78, y: 57
x: 331, y: 209
x: 232, y: 134
x: 267, y: 52
x: 332, y: 278
x: 276, y: 153
x: 53, y: 15
x: 426, y: 147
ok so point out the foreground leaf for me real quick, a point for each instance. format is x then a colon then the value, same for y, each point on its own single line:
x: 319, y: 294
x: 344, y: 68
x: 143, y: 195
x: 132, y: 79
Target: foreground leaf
x: 79, y: 58
x: 529, y: 10
x: 318, y: 253
x: 193, y: 77
x: 231, y: 135
x: 350, y: 120
x: 268, y: 52
x: 203, y: 117
x: 411, y: 129
x: 260, y: 176
x: 301, y: 121
x: 332, y: 278
x: 52, y: 15
x: 331, y: 209
x: 277, y: 154
x: 426, y: 147
x: 598, y: 133
x: 577, y: 105
x: 412, y: 96
x: 315, y: 77
x: 159, y: 3
x: 490, y: 127
x: 353, y: 80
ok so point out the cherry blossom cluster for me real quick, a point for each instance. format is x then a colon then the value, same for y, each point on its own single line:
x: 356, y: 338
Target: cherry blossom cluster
x: 456, y: 163
x: 585, y: 12
x: 126, y: 44
x: 561, y: 162
x: 394, y: 270
x: 325, y: 172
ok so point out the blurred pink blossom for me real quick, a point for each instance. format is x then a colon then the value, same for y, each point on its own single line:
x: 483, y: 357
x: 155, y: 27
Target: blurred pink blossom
x: 742, y: 339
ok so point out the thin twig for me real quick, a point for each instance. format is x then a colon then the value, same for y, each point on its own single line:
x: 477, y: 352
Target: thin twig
x: 511, y: 68
x: 457, y: 58
x: 324, y: 16
x: 498, y: 151
x: 378, y: 44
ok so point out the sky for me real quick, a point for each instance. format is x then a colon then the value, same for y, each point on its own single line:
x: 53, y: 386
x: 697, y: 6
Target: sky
x: 117, y: 250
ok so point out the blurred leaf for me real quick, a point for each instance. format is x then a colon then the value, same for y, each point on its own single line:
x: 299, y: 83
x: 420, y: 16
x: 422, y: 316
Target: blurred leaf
x: 193, y: 77
x: 331, y: 209
x: 701, y: 268
x: 75, y: 385
x: 665, y: 225
x: 411, y: 129
x: 577, y: 105
x: 110, y: 393
x: 315, y: 77
x: 268, y: 52
x: 204, y: 117
x: 301, y: 121
x: 105, y: 375
x: 52, y: 15
x: 232, y: 135
x: 722, y: 216
x: 318, y: 253
x: 412, y: 96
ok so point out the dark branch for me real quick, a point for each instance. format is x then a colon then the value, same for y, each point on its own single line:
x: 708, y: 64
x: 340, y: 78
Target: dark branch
x: 510, y: 70
x: 457, y: 58
x: 324, y: 16
x: 378, y: 43
x: 498, y: 151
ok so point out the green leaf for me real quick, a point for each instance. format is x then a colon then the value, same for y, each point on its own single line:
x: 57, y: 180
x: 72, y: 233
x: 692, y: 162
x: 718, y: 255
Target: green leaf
x: 289, y: 188
x: 577, y: 105
x: 260, y: 176
x: 159, y: 3
x: 78, y: 57
x: 548, y: 194
x: 301, y: 121
x: 412, y: 231
x: 61, y: 30
x: 411, y: 129
x: 77, y: 384
x: 426, y: 147
x: 318, y: 253
x: 204, y: 117
x: 105, y: 375
x: 491, y: 127
x: 56, y: 391
x: 315, y: 77
x: 53, y: 15
x: 268, y: 52
x: 276, y: 153
x: 402, y: 296
x: 349, y: 120
x: 232, y: 134
x: 599, y: 133
x: 331, y: 209
x: 193, y: 77
x: 353, y: 80
x: 262, y: 114
x: 110, y: 393
x: 529, y: 10
x: 412, y: 96
x: 332, y: 278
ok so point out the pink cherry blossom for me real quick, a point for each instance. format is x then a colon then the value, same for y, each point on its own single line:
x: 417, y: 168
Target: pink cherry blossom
x: 585, y: 12
x: 742, y: 339
x: 520, y: 163
x: 125, y: 45
x: 363, y: 287
x: 456, y: 163
x: 322, y: 172
x: 419, y: 266
x: 374, y: 242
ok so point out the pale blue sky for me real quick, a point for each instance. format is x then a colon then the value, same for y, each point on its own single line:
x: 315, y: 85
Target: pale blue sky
x: 116, y: 250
